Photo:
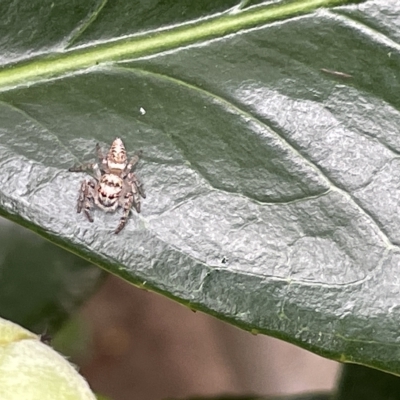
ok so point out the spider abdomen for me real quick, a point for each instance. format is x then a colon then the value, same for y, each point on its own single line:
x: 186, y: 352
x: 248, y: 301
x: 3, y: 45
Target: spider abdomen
x: 109, y: 189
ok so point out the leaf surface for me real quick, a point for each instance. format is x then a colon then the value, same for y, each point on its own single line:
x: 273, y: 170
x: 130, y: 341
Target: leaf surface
x: 270, y: 140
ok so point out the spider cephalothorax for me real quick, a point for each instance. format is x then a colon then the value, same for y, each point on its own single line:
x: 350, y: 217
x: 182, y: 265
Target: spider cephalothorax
x: 113, y: 186
x: 116, y: 160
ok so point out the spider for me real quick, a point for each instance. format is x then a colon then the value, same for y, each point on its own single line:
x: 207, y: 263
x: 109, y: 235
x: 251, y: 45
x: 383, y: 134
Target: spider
x: 113, y: 186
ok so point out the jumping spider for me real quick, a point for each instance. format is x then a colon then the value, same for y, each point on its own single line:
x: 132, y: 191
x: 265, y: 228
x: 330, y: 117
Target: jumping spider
x: 113, y: 186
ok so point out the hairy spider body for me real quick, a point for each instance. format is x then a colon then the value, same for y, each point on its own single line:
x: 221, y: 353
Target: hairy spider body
x: 109, y: 191
x: 113, y: 186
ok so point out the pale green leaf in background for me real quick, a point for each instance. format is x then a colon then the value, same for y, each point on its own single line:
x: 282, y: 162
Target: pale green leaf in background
x: 29, y: 369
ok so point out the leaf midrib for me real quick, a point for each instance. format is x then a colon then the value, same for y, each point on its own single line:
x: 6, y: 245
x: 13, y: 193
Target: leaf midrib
x: 58, y: 64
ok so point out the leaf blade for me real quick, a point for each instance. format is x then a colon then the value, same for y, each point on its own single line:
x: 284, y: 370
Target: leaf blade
x: 265, y: 205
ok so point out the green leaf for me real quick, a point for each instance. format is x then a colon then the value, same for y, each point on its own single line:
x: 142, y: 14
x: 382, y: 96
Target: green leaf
x: 40, y: 284
x: 100, y: 397
x: 74, y: 340
x: 361, y: 383
x: 31, y: 370
x: 270, y: 140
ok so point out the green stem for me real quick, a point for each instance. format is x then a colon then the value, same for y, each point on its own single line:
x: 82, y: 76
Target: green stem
x: 69, y: 61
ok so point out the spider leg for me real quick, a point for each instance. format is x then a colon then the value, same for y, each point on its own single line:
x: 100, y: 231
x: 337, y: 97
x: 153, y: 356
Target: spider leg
x: 136, y: 197
x: 136, y: 181
x: 132, y: 162
x: 81, y: 168
x: 89, y: 200
x: 99, y: 152
x: 86, y: 199
x: 136, y: 188
x: 128, y: 201
x: 82, y: 196
x: 102, y: 158
x: 97, y: 171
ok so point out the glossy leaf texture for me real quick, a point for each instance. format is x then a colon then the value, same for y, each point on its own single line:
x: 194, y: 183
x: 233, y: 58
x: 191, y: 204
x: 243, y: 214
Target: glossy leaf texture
x: 41, y: 285
x: 270, y: 140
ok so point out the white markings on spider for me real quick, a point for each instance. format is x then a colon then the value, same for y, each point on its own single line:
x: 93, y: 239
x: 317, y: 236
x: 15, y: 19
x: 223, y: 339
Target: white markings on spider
x: 114, y: 184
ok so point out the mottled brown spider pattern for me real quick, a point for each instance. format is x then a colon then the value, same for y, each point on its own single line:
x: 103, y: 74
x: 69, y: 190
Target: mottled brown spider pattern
x: 114, y: 184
